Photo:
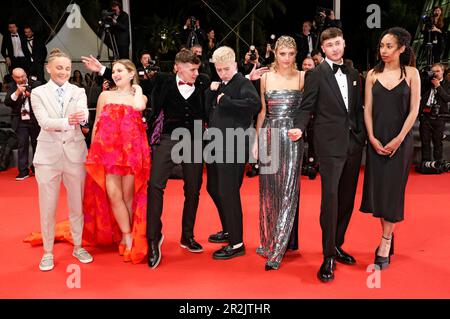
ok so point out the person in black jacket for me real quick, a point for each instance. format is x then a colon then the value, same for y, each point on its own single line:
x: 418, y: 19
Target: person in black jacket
x: 23, y: 121
x: 38, y: 53
x: 14, y: 49
x: 333, y: 93
x: 432, y: 105
x: 231, y: 106
x: 180, y: 97
x: 121, y: 30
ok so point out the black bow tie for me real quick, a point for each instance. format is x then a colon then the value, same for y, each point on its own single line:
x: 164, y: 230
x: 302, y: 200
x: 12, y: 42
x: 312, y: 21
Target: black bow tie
x: 30, y: 39
x: 343, y: 68
x: 14, y: 35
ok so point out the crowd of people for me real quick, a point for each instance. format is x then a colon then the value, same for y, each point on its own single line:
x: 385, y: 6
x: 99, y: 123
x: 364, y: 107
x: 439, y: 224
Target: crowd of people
x: 115, y: 188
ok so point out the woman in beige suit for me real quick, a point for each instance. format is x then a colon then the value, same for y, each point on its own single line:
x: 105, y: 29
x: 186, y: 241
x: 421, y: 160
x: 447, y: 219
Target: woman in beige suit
x: 60, y: 108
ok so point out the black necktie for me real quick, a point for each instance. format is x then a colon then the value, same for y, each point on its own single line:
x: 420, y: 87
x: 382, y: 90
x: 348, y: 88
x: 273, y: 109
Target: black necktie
x: 343, y: 68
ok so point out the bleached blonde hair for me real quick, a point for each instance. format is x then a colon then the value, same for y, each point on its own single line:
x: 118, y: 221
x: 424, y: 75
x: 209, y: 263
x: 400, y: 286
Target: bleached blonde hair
x: 223, y: 54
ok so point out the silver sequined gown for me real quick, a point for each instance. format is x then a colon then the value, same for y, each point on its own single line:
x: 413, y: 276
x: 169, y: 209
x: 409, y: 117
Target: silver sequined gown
x: 279, y: 190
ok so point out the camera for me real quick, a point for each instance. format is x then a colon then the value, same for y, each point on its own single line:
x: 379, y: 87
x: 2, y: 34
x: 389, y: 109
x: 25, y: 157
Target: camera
x: 28, y: 88
x: 310, y: 168
x: 272, y: 40
x: 433, y: 167
x: 426, y: 19
x: 253, y: 53
x: 193, y: 21
x: 106, y: 18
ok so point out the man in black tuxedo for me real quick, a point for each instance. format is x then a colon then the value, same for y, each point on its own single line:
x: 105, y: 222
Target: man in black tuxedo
x: 306, y: 42
x: 38, y: 53
x: 333, y: 93
x: 23, y: 121
x: 432, y: 105
x: 14, y: 49
x: 181, y: 98
x: 121, y: 30
x: 231, y: 106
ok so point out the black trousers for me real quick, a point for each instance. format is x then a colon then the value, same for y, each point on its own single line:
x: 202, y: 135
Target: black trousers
x: 339, y: 177
x: 160, y: 171
x: 224, y: 184
x: 431, y: 130
x: 26, y: 131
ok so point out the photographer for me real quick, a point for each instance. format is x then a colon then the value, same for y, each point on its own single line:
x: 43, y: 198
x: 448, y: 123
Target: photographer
x: 325, y: 19
x: 432, y: 105
x: 251, y: 58
x: 121, y: 29
x: 148, y: 68
x: 23, y: 121
x: 192, y: 33
x: 432, y: 31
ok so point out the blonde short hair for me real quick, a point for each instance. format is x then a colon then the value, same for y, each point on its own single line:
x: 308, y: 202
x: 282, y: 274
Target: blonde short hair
x: 57, y: 53
x: 223, y: 54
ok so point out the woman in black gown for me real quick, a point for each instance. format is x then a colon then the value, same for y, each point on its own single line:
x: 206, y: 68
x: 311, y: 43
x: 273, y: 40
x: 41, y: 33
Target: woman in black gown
x: 391, y: 106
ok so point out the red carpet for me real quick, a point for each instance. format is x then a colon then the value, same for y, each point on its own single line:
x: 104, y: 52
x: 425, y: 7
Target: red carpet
x: 420, y: 267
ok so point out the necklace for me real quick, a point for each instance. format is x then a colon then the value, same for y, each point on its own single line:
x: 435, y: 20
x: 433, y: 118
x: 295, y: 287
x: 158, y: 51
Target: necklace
x: 124, y: 93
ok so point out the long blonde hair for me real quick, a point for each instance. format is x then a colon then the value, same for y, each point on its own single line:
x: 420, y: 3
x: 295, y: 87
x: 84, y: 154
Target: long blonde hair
x: 284, y: 41
x: 130, y: 68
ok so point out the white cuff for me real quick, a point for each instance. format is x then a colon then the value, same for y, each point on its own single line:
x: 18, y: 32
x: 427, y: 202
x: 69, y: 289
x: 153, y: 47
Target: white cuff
x: 14, y: 96
x: 102, y: 70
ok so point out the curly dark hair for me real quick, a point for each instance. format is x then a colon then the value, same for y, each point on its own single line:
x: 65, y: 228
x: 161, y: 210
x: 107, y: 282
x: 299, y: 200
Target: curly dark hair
x: 407, y: 58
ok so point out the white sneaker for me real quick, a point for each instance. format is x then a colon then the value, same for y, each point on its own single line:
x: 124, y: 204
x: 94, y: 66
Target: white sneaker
x: 83, y: 256
x: 46, y: 263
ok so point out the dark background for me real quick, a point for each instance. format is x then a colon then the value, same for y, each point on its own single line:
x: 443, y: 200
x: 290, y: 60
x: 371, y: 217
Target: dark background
x: 149, y: 18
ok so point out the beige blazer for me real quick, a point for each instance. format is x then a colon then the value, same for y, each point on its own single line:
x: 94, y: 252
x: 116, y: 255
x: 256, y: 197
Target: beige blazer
x: 57, y: 137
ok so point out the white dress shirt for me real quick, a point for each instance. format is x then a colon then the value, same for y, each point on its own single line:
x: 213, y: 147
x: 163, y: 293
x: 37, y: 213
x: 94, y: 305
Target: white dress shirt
x: 341, y: 79
x: 17, y: 46
x: 184, y: 89
x: 60, y: 100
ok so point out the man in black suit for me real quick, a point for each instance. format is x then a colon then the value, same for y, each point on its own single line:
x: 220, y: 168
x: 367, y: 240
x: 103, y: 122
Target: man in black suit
x: 306, y: 42
x: 432, y: 105
x: 332, y: 92
x: 38, y: 53
x: 121, y: 30
x: 181, y: 99
x: 23, y: 121
x: 14, y: 49
x: 231, y: 106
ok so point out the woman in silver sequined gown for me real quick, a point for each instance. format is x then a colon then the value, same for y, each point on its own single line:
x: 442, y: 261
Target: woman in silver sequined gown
x: 280, y: 158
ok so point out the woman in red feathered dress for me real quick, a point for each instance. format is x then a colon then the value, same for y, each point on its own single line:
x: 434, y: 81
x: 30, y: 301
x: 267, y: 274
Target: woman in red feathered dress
x: 118, y: 167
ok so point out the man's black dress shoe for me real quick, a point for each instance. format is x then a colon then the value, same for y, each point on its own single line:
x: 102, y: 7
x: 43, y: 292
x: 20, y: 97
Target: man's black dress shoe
x: 191, y: 245
x: 227, y: 252
x: 220, y: 237
x: 343, y: 257
x: 326, y: 271
x: 154, y: 252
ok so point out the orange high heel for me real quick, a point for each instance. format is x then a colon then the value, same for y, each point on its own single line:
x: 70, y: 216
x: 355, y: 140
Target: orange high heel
x: 122, y: 248
x: 127, y: 255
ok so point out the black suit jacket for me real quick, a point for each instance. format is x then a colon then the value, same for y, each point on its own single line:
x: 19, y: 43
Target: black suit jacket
x: 236, y: 108
x: 122, y: 29
x: 39, y: 52
x: 162, y: 84
x: 442, y: 97
x: 303, y: 47
x: 8, y: 50
x: 16, y: 105
x: 336, y: 130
